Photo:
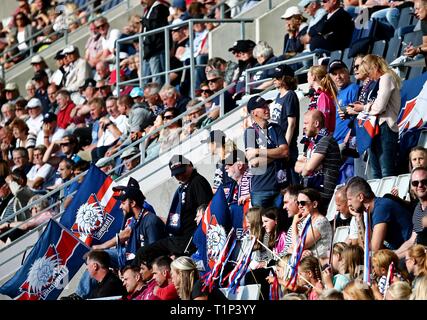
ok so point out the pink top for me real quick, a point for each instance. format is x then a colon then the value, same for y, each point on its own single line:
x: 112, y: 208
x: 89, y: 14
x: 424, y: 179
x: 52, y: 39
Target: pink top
x: 279, y: 248
x: 147, y: 293
x: 326, y: 105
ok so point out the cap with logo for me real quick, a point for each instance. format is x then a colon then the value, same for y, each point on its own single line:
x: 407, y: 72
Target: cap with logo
x: 178, y: 164
x: 283, y: 70
x: 335, y: 65
x: 257, y: 102
x: 49, y: 117
x: 242, y: 46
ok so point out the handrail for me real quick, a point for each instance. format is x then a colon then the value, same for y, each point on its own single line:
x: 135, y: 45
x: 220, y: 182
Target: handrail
x: 61, y: 33
x: 118, y: 153
x: 274, y: 64
x: 165, y: 31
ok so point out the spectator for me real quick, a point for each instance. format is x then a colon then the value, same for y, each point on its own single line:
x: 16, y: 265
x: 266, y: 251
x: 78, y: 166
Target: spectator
x: 343, y: 216
x: 155, y: 16
x: 65, y: 148
x: 228, y: 68
x: 310, y: 269
x: 416, y: 263
x: 79, y: 69
x: 132, y: 281
x: 20, y: 110
x: 108, y: 38
x: 265, y: 149
x: 39, y: 63
x: 386, y: 106
x: 152, y: 97
x: 296, y: 28
x: 240, y: 177
x: 97, y: 111
x: 358, y: 290
x: 319, y: 238
x: 103, y: 89
x: 93, y: 45
x: 21, y: 159
x: 65, y: 108
x: 22, y: 34
x: 41, y: 174
x: 399, y: 290
x: 325, y: 36
x: 50, y: 130
x: 170, y: 135
x: 58, y: 77
x: 194, y: 118
x: 8, y: 113
x: 320, y: 168
x: 12, y: 92
x: 419, y: 220
x: 22, y: 137
x: 315, y: 12
x: 391, y: 223
x: 285, y: 112
x: 325, y: 95
x: 264, y: 54
x: 131, y: 159
x: 193, y: 191
x: 6, y: 143
x: 164, y: 289
x: 30, y: 87
x: 172, y: 99
x: 420, y: 7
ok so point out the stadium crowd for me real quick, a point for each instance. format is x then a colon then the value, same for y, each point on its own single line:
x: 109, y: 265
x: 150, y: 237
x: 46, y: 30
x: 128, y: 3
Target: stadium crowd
x: 73, y: 115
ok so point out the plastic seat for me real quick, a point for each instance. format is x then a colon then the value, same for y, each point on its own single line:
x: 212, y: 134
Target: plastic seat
x: 375, y: 184
x: 422, y: 140
x: 379, y: 47
x: 414, y: 72
x: 335, y: 55
x: 415, y: 37
x: 406, y: 16
x: 386, y: 184
x: 393, y: 50
x: 348, y: 61
x: 402, y: 184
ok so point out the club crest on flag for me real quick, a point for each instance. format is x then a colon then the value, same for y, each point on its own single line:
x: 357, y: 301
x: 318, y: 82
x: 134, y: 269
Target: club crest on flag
x: 215, y: 239
x: 413, y: 113
x: 92, y: 220
x: 46, y: 274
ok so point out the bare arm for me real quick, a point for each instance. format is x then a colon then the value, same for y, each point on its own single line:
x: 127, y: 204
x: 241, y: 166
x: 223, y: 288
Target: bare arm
x: 406, y: 245
x: 292, y: 123
x: 313, y: 163
x: 378, y: 236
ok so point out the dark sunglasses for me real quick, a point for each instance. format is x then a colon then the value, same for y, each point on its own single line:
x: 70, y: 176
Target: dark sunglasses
x: 356, y: 66
x: 303, y: 203
x: 65, y: 144
x: 415, y: 183
x: 325, y: 1
x: 213, y: 80
x: 100, y: 26
x: 207, y: 91
x: 168, y: 117
x: 19, y: 109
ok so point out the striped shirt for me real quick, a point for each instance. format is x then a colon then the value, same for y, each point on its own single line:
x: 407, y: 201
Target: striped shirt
x: 419, y: 213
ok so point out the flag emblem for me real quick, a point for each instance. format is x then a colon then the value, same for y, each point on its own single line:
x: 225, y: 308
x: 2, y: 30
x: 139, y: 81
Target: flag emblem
x: 215, y: 239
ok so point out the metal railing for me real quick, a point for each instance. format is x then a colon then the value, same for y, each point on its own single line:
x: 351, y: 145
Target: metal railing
x: 140, y: 142
x: 62, y: 34
x: 248, y: 83
x: 166, y: 34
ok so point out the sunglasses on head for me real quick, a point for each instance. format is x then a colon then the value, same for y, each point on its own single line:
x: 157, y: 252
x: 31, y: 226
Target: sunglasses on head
x: 416, y: 183
x: 303, y: 203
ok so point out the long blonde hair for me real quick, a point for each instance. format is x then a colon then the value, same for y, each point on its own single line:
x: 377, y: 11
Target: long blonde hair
x: 188, y: 274
x: 254, y: 219
x: 325, y: 81
x: 420, y: 290
x: 373, y: 61
x: 399, y: 290
x: 358, y: 290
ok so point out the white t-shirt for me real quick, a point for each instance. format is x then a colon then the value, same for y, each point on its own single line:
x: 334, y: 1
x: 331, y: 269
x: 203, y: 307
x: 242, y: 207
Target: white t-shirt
x: 353, y: 229
x: 37, y: 171
x: 22, y: 45
x: 108, y: 138
x: 36, y: 124
x: 57, y: 135
x: 108, y: 42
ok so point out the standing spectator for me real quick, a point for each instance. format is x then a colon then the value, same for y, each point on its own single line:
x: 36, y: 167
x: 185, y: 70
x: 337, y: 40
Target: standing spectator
x: 290, y: 204
x: 386, y: 106
x: 320, y: 168
x: 79, y: 69
x: 193, y: 191
x: 391, y: 223
x: 93, y: 45
x: 155, y: 16
x: 285, y: 112
x: 265, y: 148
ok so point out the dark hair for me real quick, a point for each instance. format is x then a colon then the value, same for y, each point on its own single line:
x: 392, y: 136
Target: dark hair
x: 293, y: 190
x: 313, y: 195
x: 163, y: 262
x: 82, y: 165
x: 126, y: 100
x: 290, y: 83
x: 131, y: 267
x: 175, y: 113
x: 278, y: 216
x: 360, y: 185
x: 69, y: 163
x: 20, y: 124
x: 19, y: 176
x: 216, y: 62
x: 99, y: 256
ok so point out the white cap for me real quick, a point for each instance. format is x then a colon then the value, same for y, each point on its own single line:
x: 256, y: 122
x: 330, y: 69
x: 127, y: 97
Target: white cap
x: 129, y: 152
x: 34, y: 102
x: 69, y: 49
x: 291, y: 11
x: 36, y: 59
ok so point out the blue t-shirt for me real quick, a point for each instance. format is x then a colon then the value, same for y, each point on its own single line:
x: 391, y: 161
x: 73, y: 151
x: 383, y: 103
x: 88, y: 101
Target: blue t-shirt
x: 282, y: 108
x: 264, y: 178
x: 345, y: 96
x: 397, y: 218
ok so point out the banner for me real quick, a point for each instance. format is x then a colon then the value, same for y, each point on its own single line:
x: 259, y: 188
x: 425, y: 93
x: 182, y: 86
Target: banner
x: 50, y: 266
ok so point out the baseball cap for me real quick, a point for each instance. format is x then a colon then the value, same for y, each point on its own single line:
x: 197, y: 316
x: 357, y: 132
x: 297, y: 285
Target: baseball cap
x: 49, y: 117
x: 11, y: 86
x: 335, y: 65
x: 88, y: 83
x: 129, y: 153
x: 305, y: 3
x: 131, y: 193
x: 69, y: 49
x: 283, y: 70
x: 291, y: 11
x: 104, y: 161
x: 36, y: 59
x: 178, y: 163
x: 178, y: 4
x: 59, y: 55
x: 131, y: 183
x: 215, y: 136
x: 175, y: 22
x: 39, y: 75
x: 136, y: 92
x: 236, y: 155
x: 242, y: 46
x: 34, y: 103
x: 257, y: 102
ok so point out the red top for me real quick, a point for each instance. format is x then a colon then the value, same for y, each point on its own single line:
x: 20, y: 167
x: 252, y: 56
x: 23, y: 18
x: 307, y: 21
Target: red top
x: 167, y: 293
x: 64, y: 118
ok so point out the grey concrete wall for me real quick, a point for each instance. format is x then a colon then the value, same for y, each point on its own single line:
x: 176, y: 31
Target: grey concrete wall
x: 118, y: 18
x: 7, y: 8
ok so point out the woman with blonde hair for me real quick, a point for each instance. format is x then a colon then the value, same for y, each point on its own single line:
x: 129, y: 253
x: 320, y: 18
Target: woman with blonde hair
x: 399, y: 290
x: 420, y: 290
x: 416, y: 262
x: 386, y: 107
x: 325, y: 95
x: 358, y: 290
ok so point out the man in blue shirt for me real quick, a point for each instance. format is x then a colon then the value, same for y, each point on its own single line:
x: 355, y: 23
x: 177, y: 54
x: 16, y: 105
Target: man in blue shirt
x: 266, y: 149
x: 390, y: 222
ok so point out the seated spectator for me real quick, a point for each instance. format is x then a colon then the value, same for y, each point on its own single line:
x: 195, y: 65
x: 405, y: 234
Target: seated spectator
x: 97, y: 111
x: 42, y: 82
x: 12, y: 92
x: 50, y: 130
x: 22, y: 34
x: 107, y: 166
x: 58, y: 76
x: 30, y: 87
x: 7, y: 143
x: 41, y: 174
x: 315, y: 12
x: 23, y: 138
x: 102, y: 71
x: 79, y: 69
x: 108, y: 38
x: 170, y: 136
x: 21, y: 159
x: 264, y: 54
x: 131, y: 159
x: 152, y: 145
x: 172, y: 99
x: 8, y: 114
x: 35, y: 121
x: 152, y: 97
x: 226, y: 67
x: 164, y: 289
x: 65, y: 108
x: 20, y: 110
x: 39, y: 63
x: 133, y: 283
x: 421, y: 15
x: 93, y: 46
x: 194, y: 119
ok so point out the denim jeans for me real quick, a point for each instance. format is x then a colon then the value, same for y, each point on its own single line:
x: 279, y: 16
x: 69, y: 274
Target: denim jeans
x: 389, y: 15
x: 383, y: 153
x: 154, y: 65
x: 266, y: 199
x: 87, y: 284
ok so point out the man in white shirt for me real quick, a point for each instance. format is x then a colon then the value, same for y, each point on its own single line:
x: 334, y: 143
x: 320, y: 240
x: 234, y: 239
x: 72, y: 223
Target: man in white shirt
x: 50, y: 131
x: 79, y: 69
x: 35, y: 121
x: 108, y: 38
